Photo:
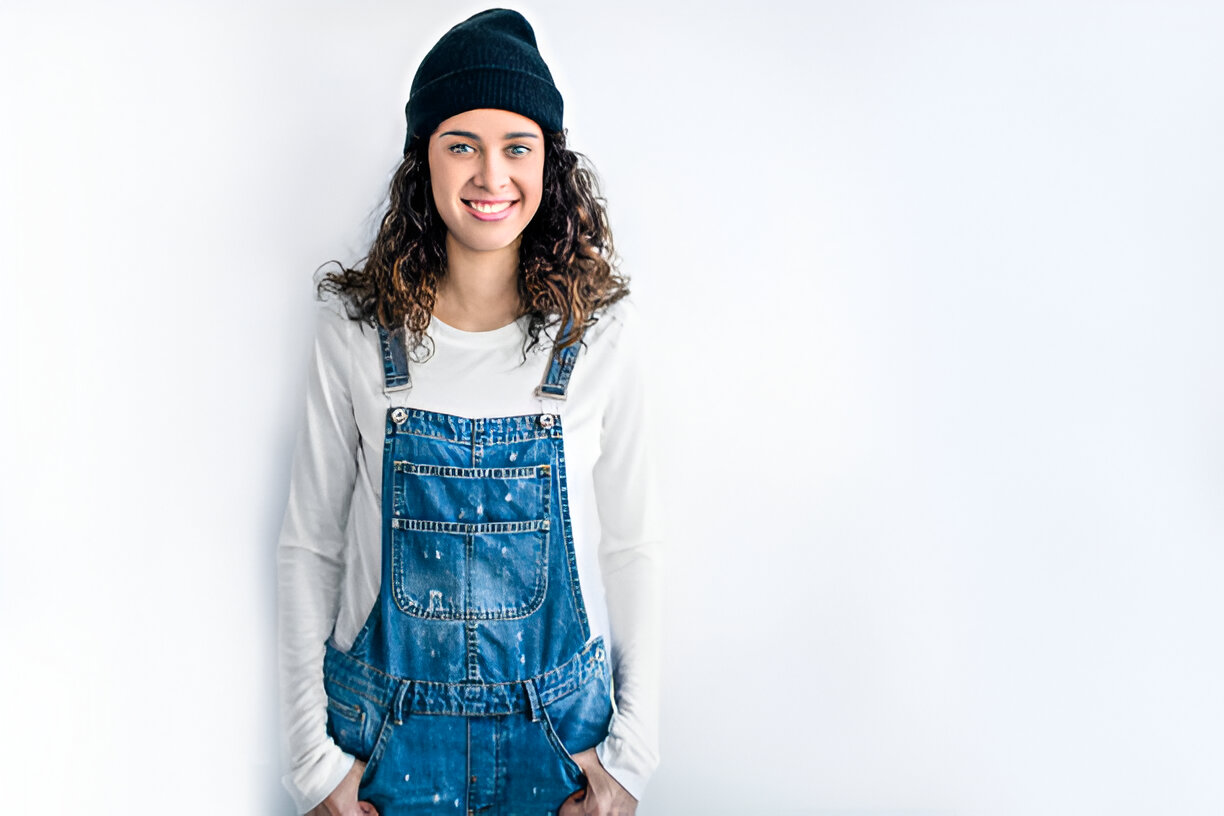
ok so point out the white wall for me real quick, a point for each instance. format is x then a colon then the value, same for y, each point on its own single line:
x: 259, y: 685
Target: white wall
x: 939, y: 292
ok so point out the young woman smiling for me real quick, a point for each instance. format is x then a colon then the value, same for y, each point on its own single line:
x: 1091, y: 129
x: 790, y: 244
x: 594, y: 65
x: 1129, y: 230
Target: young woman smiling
x: 468, y: 566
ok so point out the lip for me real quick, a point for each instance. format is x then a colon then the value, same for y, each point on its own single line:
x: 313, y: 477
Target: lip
x: 497, y: 216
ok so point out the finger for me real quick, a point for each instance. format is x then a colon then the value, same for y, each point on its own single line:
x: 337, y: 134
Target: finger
x: 367, y: 809
x: 573, y: 804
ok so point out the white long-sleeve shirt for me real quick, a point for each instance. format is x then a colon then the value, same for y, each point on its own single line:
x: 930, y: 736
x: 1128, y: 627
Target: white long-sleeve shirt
x: 329, y: 555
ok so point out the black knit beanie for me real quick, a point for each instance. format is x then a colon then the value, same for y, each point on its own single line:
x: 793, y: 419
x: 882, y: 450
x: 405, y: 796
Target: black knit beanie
x: 490, y: 60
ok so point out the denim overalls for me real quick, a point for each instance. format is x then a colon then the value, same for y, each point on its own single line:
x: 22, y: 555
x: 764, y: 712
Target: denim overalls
x: 474, y: 678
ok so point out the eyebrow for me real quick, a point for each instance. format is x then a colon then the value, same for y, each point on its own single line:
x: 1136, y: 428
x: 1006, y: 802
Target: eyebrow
x: 469, y: 135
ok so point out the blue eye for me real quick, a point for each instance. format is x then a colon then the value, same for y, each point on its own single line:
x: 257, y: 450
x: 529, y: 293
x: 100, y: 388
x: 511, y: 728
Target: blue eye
x: 519, y: 150
x: 459, y: 148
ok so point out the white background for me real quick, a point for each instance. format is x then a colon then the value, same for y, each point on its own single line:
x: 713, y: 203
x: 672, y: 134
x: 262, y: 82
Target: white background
x: 937, y: 289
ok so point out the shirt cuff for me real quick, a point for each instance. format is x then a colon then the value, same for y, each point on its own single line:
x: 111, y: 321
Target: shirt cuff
x: 630, y: 770
x: 312, y: 784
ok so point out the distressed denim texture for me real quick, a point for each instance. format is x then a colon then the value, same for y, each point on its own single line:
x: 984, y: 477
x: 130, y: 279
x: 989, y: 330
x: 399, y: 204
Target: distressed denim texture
x: 474, y: 679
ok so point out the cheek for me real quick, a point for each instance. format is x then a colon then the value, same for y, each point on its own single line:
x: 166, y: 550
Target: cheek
x: 534, y: 192
x: 439, y: 184
x: 439, y: 200
x: 532, y: 208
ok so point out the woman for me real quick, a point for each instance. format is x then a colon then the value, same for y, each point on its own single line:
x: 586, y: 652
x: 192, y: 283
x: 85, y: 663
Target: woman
x: 468, y: 564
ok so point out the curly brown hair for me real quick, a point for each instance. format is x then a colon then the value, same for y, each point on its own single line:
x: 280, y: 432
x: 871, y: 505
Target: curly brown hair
x: 567, y: 263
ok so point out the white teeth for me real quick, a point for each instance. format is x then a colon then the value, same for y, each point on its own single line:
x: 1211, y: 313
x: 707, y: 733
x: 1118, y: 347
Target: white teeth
x: 489, y: 208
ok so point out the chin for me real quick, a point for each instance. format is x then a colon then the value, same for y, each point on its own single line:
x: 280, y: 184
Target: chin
x: 486, y: 245
x: 487, y: 241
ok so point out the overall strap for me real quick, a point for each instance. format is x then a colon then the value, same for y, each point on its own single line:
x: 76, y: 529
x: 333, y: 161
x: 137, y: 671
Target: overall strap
x: 560, y: 367
x: 395, y: 361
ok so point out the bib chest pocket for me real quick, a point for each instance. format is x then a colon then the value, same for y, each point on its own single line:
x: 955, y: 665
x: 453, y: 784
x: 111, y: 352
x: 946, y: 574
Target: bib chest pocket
x: 470, y: 543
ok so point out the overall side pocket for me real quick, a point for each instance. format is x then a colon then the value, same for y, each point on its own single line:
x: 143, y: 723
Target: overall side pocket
x: 378, y: 750
x: 558, y: 746
x: 353, y: 719
x: 579, y: 720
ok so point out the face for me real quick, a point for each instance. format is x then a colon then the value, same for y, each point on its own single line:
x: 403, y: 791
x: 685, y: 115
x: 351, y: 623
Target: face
x: 486, y: 169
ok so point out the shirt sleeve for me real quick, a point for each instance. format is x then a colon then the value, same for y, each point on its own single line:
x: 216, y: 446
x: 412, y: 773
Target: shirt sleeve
x: 309, y: 564
x: 630, y: 547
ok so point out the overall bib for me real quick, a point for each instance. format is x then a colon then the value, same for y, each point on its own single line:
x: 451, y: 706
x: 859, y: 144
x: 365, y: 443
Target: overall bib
x: 474, y: 678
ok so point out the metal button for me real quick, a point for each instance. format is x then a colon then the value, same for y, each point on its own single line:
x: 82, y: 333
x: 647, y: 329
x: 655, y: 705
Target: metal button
x: 398, y: 416
x: 599, y: 654
x: 547, y: 421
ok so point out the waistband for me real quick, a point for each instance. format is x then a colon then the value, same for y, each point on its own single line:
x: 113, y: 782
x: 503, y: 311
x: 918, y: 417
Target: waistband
x: 469, y: 698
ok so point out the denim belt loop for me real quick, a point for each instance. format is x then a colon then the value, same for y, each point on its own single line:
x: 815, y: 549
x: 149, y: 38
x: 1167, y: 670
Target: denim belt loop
x: 398, y: 710
x: 533, y: 700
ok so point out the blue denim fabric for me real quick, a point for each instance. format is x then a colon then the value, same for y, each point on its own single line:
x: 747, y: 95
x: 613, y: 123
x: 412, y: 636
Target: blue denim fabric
x: 474, y: 679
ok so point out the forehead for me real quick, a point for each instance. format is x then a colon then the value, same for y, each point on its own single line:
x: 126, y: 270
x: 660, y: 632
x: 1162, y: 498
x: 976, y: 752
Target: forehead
x: 489, y: 123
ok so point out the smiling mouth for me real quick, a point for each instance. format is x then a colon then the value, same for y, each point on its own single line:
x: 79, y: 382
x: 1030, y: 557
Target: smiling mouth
x: 488, y: 207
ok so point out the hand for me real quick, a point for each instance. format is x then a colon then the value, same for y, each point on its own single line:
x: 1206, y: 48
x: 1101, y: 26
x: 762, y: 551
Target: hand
x: 343, y: 800
x: 603, y: 796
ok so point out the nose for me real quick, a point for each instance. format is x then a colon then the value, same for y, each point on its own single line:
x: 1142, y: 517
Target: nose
x: 493, y: 172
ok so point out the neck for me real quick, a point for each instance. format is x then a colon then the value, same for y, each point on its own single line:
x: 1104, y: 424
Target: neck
x: 479, y: 291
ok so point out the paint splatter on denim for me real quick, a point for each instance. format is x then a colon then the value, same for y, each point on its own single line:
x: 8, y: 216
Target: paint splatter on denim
x: 474, y: 679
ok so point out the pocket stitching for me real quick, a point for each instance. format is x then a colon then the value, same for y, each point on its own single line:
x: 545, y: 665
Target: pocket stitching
x: 409, y: 606
x: 353, y: 712
x: 554, y: 739
x: 376, y: 753
x: 540, y: 541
